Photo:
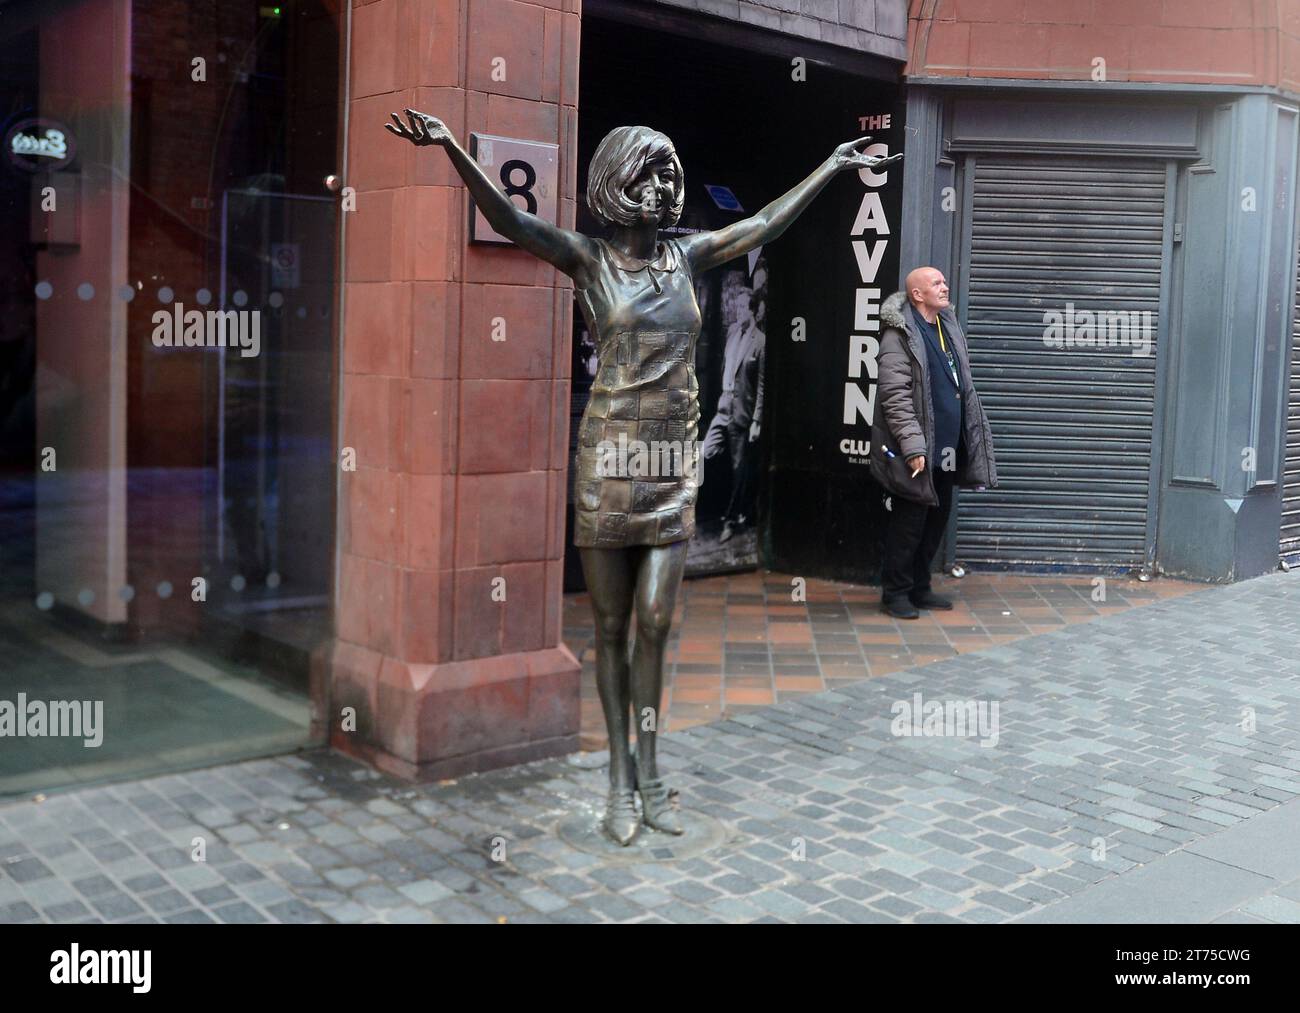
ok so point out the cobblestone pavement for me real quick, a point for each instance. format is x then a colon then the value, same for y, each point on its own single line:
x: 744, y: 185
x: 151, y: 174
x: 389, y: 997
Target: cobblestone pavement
x: 740, y: 641
x: 1146, y: 766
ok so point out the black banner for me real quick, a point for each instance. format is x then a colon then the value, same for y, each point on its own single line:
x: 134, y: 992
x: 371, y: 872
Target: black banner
x: 825, y: 513
x: 336, y: 964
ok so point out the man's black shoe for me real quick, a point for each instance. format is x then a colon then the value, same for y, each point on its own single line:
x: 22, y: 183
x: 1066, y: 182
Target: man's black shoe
x: 932, y: 601
x: 899, y: 609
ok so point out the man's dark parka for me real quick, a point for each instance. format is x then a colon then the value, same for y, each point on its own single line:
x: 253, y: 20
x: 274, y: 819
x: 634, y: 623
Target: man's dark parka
x: 903, y: 421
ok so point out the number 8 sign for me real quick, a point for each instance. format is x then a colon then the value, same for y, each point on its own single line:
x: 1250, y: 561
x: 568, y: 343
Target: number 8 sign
x: 526, y: 171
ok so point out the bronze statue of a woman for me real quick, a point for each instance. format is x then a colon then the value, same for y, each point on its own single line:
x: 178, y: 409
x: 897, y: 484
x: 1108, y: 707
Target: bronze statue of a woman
x: 638, y: 300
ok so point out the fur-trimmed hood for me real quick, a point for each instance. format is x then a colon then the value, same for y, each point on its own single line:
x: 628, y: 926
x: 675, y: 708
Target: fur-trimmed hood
x: 902, y: 425
x: 892, y: 311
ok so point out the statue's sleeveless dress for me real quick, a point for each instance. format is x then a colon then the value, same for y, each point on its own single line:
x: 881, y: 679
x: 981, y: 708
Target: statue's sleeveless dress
x: 645, y: 322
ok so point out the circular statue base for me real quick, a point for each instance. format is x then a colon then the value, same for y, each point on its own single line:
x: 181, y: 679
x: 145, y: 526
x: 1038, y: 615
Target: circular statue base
x: 703, y: 833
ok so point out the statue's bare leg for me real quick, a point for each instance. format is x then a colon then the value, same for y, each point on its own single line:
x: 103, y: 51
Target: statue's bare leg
x: 658, y: 577
x: 611, y: 575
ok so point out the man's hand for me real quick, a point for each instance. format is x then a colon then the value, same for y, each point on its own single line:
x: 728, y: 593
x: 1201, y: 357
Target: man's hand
x: 917, y: 464
x: 753, y: 432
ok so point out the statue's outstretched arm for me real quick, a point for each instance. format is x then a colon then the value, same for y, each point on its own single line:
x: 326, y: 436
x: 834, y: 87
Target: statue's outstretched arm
x: 709, y: 249
x: 571, y: 252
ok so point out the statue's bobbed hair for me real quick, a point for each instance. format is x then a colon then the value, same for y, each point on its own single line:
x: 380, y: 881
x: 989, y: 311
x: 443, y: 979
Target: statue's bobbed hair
x: 615, y: 166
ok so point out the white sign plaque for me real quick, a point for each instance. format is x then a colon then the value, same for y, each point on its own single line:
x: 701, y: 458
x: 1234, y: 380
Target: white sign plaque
x: 527, y: 171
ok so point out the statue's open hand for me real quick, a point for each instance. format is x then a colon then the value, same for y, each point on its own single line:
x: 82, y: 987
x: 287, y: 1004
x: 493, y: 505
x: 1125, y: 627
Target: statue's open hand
x: 423, y: 129
x: 848, y: 156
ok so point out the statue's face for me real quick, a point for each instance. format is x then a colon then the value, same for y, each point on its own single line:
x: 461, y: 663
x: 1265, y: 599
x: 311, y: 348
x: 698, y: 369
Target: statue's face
x: 654, y: 189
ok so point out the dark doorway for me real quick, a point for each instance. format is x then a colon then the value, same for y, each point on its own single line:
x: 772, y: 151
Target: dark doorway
x: 743, y: 117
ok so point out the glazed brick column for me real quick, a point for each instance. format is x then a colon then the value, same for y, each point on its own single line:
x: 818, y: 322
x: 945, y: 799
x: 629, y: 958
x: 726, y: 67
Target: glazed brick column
x: 458, y: 496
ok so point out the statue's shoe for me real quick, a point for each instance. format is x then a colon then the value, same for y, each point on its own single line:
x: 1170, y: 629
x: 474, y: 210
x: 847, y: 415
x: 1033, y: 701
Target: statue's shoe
x: 620, y: 823
x: 657, y: 808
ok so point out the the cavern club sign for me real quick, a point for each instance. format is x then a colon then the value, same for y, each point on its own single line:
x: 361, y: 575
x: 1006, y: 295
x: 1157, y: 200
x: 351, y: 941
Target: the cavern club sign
x: 39, y: 145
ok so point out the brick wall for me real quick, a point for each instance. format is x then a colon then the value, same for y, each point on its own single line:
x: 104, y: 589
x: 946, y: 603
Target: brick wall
x: 1225, y: 42
x: 1289, y: 47
x: 461, y: 441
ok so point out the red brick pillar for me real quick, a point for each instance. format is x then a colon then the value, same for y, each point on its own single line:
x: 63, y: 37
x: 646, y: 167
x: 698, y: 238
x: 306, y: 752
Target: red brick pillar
x: 460, y: 441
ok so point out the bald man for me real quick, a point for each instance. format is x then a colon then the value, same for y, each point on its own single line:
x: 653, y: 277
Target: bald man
x: 928, y: 435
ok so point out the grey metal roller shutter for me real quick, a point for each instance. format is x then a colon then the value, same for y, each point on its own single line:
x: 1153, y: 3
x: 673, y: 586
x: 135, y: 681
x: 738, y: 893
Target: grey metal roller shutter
x: 1071, y: 427
x: 1290, y: 540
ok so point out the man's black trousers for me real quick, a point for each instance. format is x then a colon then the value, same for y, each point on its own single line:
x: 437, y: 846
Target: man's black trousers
x: 912, y: 538
x: 743, y: 455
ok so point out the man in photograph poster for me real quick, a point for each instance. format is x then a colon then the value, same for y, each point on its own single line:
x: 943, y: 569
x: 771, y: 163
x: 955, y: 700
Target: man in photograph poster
x: 738, y: 420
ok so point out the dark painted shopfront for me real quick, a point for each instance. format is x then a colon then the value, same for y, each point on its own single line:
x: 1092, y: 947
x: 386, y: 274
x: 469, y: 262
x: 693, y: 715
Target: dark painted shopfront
x: 1126, y: 269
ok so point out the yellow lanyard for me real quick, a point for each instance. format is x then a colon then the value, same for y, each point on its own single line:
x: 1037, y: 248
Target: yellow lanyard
x: 939, y: 323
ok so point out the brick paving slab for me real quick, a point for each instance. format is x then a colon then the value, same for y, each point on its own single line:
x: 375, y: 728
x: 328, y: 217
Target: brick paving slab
x: 740, y: 641
x: 1129, y: 753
